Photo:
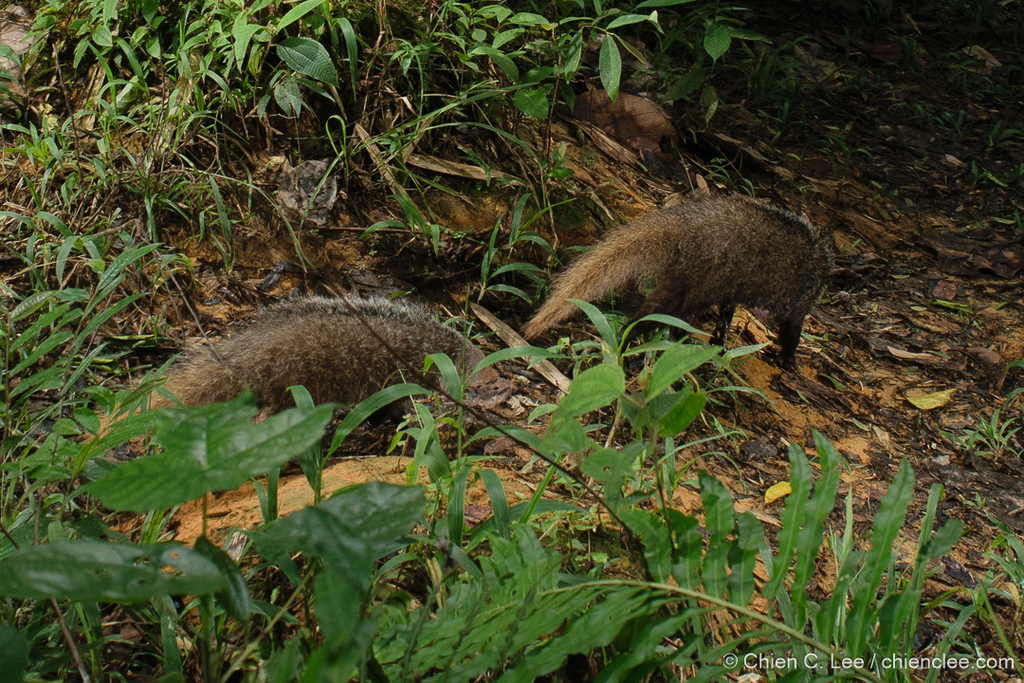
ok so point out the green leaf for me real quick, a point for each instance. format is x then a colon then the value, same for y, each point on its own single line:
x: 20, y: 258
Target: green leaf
x: 379, y: 514
x: 885, y: 527
x: 610, y: 66
x: 457, y: 506
x: 747, y: 34
x: 113, y: 273
x: 718, y: 518
x: 530, y: 19
x: 101, y: 36
x: 338, y: 598
x: 717, y: 40
x: 499, y: 503
x: 500, y: 59
x: 234, y: 597
x: 242, y: 32
x: 30, y: 305
x: 600, y: 322
x: 14, y: 649
x: 209, y: 448
x: 592, y: 389
x: 45, y: 347
x: 743, y: 558
x: 686, y: 554
x: 627, y: 19
x: 683, y: 87
x: 348, y: 533
x: 317, y: 532
x: 709, y: 101
x: 369, y: 406
x: 382, y: 513
x: 309, y: 58
x: 533, y: 101
x: 600, y: 624
x: 680, y: 417
x: 675, y: 362
x: 296, y: 13
x: 352, y: 48
x: 102, y: 571
x: 573, y: 55
x: 288, y: 96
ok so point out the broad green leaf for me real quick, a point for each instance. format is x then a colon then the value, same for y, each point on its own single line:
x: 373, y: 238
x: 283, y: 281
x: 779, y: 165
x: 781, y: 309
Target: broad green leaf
x: 378, y: 515
x: 533, y: 101
x: 682, y: 415
x: 209, y: 448
x: 719, y: 516
x: 573, y: 55
x: 717, y: 40
x: 500, y: 59
x: 627, y: 19
x: 592, y: 389
x: 676, y: 362
x: 316, y: 532
x: 102, y: 571
x: 309, y: 58
x: 381, y: 513
x: 683, y: 87
x: 242, y: 34
x: 288, y: 96
x: 610, y: 66
x: 743, y: 558
x: 101, y: 36
x: 530, y: 19
x: 14, y: 650
x: 234, y: 597
x: 884, y: 528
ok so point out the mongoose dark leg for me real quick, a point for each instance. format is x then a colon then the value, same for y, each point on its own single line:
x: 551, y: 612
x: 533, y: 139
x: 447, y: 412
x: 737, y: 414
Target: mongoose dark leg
x: 789, y: 337
x: 725, y: 314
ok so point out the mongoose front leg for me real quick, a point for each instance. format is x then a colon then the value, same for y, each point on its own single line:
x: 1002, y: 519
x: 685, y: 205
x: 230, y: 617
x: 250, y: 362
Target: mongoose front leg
x: 724, y: 322
x: 788, y: 339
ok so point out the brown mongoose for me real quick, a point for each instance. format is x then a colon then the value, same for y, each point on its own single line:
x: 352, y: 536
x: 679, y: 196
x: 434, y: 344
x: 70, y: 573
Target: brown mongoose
x: 719, y: 250
x: 320, y: 343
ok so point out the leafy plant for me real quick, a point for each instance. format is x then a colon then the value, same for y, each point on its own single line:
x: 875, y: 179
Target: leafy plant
x: 509, y: 609
x: 991, y: 437
x: 519, y: 235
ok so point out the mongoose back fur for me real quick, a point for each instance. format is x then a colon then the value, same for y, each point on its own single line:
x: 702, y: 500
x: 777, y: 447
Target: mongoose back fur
x: 320, y: 343
x: 721, y: 250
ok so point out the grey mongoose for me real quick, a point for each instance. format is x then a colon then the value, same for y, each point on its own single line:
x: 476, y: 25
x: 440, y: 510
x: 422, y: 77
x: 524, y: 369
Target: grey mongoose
x: 719, y: 250
x: 320, y: 343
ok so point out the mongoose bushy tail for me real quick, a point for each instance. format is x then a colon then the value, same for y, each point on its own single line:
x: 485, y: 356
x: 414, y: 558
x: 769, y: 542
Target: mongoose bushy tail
x: 720, y: 250
x: 320, y: 343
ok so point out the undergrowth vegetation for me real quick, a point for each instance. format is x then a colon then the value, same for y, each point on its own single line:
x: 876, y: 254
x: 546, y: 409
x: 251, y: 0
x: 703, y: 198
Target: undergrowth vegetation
x: 131, y: 128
